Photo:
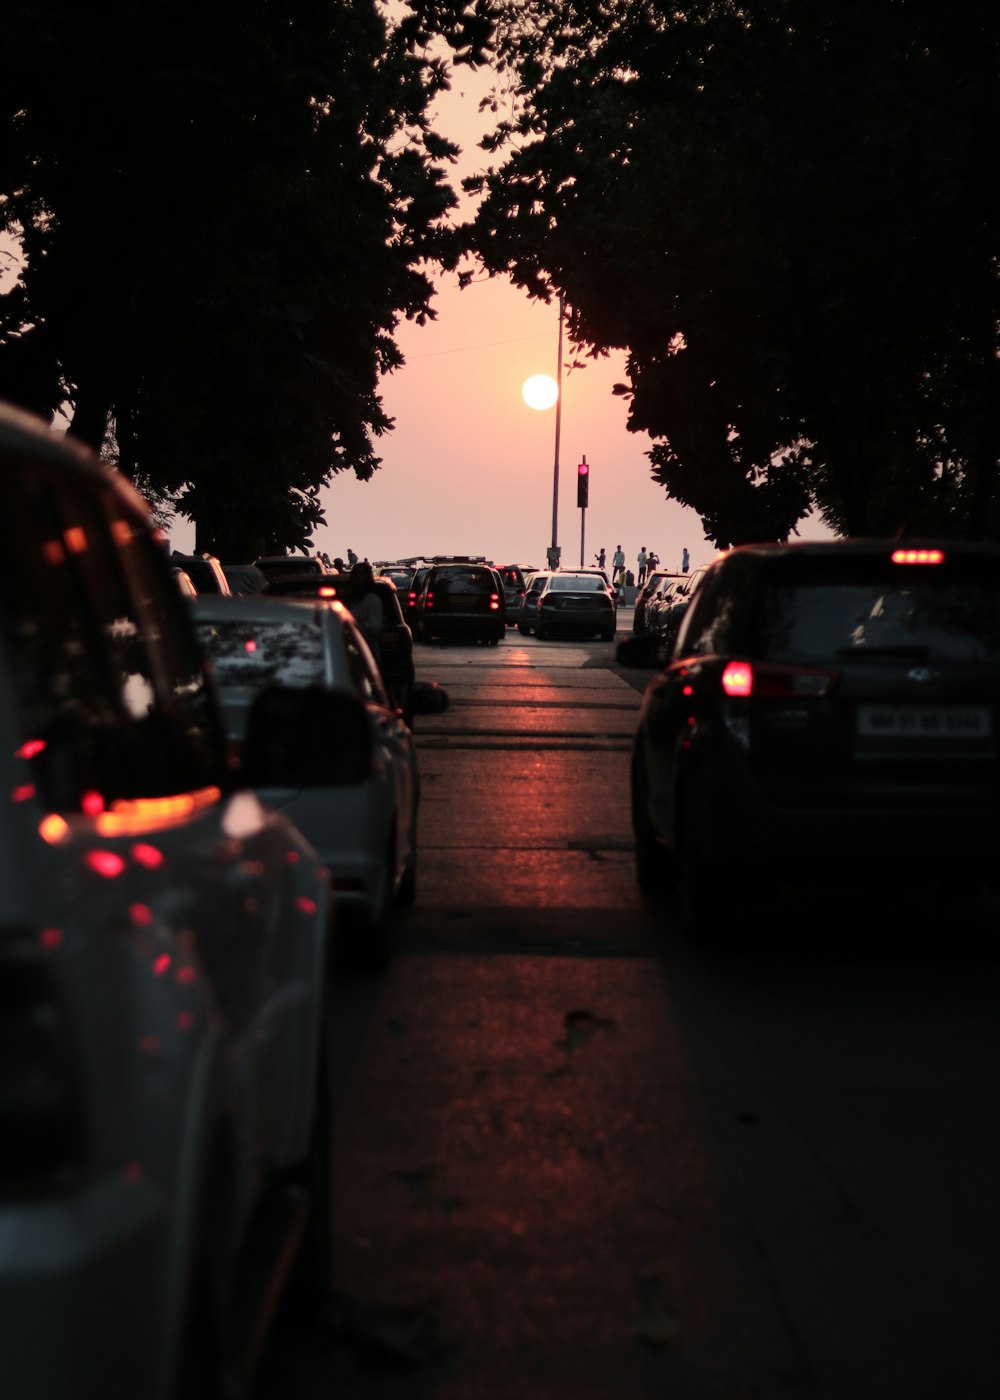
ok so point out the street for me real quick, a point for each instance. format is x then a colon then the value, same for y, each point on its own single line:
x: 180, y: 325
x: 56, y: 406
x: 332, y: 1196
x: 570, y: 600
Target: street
x: 577, y: 1155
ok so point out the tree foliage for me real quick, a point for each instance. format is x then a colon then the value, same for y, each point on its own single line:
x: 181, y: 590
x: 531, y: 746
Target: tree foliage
x: 224, y: 210
x: 785, y: 212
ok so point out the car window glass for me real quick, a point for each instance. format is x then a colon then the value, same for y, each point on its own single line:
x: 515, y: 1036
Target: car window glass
x: 577, y: 583
x: 937, y: 618
x: 87, y: 692
x: 265, y: 651
x: 459, y: 580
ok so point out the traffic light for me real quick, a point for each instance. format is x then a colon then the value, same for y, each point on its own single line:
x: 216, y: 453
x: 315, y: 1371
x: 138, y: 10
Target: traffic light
x: 582, y: 485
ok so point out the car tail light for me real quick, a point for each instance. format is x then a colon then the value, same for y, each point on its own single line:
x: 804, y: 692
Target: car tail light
x: 430, y: 601
x: 918, y: 556
x: 768, y: 681
x: 494, y: 602
x: 42, y: 1131
x: 411, y: 599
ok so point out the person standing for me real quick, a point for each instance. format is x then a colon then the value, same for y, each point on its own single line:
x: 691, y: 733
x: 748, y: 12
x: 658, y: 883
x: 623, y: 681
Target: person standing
x: 685, y: 561
x: 618, y: 567
x: 641, y: 562
x: 601, y: 559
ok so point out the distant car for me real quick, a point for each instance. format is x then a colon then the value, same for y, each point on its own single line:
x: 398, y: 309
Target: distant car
x: 163, y: 1116
x: 578, y: 602
x: 665, y: 613
x: 512, y: 580
x: 461, y: 602
x: 360, y: 814
x: 399, y: 574
x: 656, y: 586
x: 395, y: 657
x: 204, y: 571
x: 274, y: 566
x: 828, y: 709
x: 412, y: 594
x: 528, y: 611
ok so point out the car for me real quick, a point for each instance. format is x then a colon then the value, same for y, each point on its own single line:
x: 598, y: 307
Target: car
x: 362, y: 821
x: 399, y: 574
x: 665, y: 612
x: 512, y: 581
x: 411, y: 596
x: 395, y: 642
x: 163, y: 955
x: 656, y: 586
x: 274, y: 566
x: 528, y: 611
x: 204, y: 571
x: 576, y: 601
x: 184, y: 582
x: 829, y: 708
x: 461, y: 602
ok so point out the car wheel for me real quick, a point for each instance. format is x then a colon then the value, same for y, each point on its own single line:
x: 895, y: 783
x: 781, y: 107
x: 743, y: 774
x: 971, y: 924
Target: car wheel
x: 524, y: 631
x: 540, y: 633
x: 698, y: 868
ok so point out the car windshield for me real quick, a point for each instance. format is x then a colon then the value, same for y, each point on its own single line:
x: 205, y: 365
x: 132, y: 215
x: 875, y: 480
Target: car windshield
x: 577, y: 583
x: 932, y: 618
x: 260, y: 653
x: 458, y: 580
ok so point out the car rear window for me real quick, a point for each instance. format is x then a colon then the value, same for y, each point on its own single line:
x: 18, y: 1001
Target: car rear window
x: 262, y: 653
x: 927, y: 612
x: 577, y: 583
x: 459, y: 580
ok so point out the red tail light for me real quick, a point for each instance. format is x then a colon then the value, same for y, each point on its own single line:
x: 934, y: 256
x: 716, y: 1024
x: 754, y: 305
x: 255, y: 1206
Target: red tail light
x: 767, y: 681
x: 494, y: 602
x: 430, y: 601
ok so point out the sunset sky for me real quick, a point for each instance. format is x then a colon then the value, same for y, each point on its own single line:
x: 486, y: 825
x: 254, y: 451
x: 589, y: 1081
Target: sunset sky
x: 469, y: 466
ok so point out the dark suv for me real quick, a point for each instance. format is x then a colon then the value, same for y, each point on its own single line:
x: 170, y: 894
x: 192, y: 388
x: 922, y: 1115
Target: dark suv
x: 461, y: 601
x: 828, y: 707
x: 513, y: 589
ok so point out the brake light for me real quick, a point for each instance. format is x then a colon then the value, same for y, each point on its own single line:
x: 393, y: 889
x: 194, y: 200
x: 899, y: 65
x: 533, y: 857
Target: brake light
x: 494, y: 602
x: 430, y: 601
x: 918, y: 556
x: 767, y: 681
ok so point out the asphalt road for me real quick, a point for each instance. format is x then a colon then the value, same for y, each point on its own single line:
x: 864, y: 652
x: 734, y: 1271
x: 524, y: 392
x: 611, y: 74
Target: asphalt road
x: 579, y: 1157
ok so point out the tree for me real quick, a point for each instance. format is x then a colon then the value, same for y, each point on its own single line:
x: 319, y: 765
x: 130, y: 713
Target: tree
x: 221, y: 228
x: 785, y: 212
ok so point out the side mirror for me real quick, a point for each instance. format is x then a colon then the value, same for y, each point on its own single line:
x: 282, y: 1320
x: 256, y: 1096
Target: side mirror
x: 306, y: 738
x: 427, y: 698
x: 639, y: 653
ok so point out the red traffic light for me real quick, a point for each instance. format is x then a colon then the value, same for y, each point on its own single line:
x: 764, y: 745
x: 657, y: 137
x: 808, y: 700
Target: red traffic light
x: 582, y: 484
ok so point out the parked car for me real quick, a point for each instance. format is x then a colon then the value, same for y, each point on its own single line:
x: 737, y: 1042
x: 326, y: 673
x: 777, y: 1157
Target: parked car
x: 660, y: 584
x: 665, y: 615
x: 274, y: 566
x: 412, y: 594
x: 184, y: 582
x: 461, y: 602
x: 512, y: 581
x: 828, y: 709
x: 361, y: 816
x: 162, y: 956
x: 399, y: 574
x: 578, y: 602
x: 528, y: 611
x: 395, y: 640
x: 204, y: 571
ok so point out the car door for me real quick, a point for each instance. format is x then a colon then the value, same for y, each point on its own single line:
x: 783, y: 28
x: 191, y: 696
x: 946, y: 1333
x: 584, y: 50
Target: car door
x: 396, y: 761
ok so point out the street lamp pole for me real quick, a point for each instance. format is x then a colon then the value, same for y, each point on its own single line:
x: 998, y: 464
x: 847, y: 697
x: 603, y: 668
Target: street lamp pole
x: 554, y: 548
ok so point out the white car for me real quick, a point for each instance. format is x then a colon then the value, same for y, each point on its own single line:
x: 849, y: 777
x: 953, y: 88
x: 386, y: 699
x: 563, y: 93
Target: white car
x: 162, y: 946
x: 362, y: 819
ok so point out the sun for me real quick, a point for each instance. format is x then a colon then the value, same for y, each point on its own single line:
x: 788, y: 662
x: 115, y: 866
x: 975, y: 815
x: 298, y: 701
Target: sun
x: 540, y: 391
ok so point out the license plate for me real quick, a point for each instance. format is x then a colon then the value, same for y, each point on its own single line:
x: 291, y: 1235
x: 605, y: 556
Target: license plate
x: 924, y: 721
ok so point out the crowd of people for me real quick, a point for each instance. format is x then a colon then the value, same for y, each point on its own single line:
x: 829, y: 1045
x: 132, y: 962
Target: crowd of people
x: 646, y: 562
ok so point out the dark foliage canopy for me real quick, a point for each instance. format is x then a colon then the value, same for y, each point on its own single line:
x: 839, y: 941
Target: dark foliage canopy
x: 224, y: 211
x: 786, y: 213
